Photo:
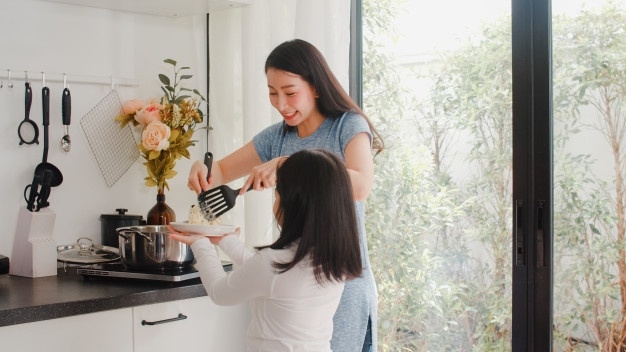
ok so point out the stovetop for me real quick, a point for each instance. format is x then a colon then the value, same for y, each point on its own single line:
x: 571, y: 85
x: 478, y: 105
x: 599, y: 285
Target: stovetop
x: 118, y: 270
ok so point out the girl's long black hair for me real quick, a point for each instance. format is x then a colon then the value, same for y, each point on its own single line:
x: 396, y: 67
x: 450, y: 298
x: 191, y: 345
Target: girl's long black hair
x: 305, y: 60
x: 318, y: 215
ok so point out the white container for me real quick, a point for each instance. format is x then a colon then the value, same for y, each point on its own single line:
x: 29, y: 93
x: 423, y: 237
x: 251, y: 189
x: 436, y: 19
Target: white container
x: 34, y: 248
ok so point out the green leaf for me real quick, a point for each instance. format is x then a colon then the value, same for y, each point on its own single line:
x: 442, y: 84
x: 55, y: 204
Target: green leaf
x: 185, y: 77
x: 198, y: 94
x: 170, y: 61
x: 153, y: 154
x: 164, y: 79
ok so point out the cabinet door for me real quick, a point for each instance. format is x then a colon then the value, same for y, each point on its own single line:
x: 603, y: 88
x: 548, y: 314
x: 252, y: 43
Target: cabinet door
x: 106, y: 331
x: 197, y: 324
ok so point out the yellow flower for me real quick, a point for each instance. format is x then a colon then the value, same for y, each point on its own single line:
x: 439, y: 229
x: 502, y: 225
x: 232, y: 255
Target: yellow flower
x: 167, y: 128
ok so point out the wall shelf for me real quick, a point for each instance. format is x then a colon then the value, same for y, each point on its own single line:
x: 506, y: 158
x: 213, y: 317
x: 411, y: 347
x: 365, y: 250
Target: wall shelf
x: 167, y: 8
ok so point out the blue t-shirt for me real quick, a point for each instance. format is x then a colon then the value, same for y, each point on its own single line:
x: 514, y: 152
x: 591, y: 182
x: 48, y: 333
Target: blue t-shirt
x: 359, y: 299
x: 334, y: 134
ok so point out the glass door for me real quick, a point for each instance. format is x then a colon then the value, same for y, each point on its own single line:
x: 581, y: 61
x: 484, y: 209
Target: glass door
x: 437, y: 84
x: 589, y: 145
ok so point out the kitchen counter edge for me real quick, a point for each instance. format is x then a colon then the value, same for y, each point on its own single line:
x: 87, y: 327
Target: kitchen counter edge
x: 26, y: 300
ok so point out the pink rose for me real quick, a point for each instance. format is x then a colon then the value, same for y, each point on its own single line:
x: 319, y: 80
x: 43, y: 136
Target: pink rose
x: 155, y: 136
x: 149, y: 114
x: 132, y: 106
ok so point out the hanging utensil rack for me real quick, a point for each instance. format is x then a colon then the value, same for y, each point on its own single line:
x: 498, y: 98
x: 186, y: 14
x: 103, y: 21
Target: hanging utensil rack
x: 10, y: 76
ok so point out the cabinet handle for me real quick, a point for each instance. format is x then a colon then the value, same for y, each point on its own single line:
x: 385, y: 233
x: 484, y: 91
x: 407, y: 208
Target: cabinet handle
x: 180, y: 316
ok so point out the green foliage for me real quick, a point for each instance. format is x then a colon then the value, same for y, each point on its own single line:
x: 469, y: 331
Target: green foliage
x: 429, y: 233
x: 172, y: 90
x: 440, y: 244
x: 590, y: 76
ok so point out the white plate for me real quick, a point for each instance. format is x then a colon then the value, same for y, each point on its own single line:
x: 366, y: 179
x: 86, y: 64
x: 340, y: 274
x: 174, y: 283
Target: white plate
x: 207, y: 230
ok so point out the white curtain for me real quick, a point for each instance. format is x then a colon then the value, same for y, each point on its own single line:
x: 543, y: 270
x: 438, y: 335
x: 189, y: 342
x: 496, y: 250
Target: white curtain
x: 239, y: 41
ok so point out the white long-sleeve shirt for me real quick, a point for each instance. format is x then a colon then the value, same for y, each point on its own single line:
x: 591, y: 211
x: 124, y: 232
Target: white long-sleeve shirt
x: 289, y: 311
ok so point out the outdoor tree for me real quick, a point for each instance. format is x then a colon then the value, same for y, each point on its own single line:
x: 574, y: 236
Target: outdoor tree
x: 440, y: 240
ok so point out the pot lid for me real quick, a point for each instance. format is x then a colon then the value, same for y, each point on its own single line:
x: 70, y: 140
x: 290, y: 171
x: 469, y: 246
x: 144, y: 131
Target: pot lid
x: 85, y: 251
x: 121, y: 215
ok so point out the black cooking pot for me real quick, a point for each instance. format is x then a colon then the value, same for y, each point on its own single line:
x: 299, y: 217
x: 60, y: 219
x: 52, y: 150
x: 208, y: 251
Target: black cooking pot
x: 110, y: 223
x: 149, y: 248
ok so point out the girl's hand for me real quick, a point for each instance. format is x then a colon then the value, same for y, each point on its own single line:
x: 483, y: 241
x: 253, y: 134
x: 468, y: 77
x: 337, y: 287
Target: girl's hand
x: 263, y: 176
x: 186, y: 238
x: 216, y: 239
x: 189, y: 239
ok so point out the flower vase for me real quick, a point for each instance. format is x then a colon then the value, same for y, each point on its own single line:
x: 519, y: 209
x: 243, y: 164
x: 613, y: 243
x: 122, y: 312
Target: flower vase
x: 161, y: 213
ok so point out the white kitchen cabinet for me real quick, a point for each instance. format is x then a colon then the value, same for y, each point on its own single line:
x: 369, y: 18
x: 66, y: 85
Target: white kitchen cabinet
x: 168, y: 8
x: 106, y: 331
x: 206, y: 326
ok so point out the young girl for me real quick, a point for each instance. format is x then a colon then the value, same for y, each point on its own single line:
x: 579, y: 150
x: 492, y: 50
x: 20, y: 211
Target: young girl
x: 294, y: 285
x: 317, y: 113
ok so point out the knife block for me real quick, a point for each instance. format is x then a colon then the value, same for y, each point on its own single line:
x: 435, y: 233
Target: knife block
x: 34, y: 249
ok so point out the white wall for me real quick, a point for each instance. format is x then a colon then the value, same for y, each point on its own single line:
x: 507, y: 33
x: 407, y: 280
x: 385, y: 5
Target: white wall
x: 86, y: 42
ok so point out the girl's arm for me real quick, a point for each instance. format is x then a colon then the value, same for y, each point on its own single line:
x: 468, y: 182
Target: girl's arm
x: 252, y: 279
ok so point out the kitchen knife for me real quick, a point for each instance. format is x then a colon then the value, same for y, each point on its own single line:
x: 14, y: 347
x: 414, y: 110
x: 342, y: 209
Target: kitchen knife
x: 42, y: 198
x: 34, y: 192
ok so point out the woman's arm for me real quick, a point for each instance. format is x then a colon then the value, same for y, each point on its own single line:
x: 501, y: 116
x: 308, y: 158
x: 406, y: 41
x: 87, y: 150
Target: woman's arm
x: 233, y: 166
x: 360, y: 165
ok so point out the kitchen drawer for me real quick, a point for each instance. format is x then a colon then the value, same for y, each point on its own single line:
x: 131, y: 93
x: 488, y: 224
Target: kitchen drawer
x: 106, y: 331
x: 197, y: 324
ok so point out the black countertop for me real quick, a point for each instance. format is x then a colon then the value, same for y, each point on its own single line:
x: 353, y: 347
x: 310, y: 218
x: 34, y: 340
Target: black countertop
x: 25, y: 300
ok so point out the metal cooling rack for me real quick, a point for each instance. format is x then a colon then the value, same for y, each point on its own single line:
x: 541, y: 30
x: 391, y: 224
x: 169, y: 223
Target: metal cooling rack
x: 114, y: 147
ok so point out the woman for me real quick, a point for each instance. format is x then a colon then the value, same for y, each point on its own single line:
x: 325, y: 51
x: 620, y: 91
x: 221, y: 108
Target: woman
x: 295, y: 284
x: 317, y: 113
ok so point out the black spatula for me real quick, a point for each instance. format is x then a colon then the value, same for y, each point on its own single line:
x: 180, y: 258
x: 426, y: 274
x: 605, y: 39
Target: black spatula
x: 218, y: 200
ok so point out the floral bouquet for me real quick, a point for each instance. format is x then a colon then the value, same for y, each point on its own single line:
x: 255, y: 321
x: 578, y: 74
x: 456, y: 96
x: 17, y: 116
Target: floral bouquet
x: 167, y: 126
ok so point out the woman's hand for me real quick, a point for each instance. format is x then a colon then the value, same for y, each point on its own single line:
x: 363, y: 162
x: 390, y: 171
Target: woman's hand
x: 263, y: 176
x: 197, y: 180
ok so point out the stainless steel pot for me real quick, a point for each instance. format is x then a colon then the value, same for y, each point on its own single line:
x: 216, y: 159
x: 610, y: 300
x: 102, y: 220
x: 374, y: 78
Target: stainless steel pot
x: 150, y: 248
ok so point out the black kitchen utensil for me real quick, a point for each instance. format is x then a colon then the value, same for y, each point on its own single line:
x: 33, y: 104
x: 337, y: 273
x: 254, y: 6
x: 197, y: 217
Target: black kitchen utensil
x: 56, y: 175
x: 66, y: 112
x: 28, y: 130
x: 34, y: 191
x: 208, y: 161
x: 42, y: 198
x: 46, y: 174
x: 218, y: 200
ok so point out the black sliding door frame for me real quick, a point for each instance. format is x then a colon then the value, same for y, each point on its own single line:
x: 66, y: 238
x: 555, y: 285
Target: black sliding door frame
x: 532, y: 175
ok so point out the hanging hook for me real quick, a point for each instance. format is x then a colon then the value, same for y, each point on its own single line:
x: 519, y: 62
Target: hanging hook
x: 10, y: 82
x: 65, y: 81
x: 26, y: 76
x: 112, y: 83
x: 43, y: 79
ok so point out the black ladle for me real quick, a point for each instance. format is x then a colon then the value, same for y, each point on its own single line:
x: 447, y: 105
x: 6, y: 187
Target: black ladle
x: 28, y: 130
x: 56, y: 177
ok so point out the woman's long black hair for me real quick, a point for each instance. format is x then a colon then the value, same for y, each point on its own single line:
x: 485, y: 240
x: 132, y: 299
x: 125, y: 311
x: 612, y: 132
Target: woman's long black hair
x: 318, y: 215
x: 305, y: 60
